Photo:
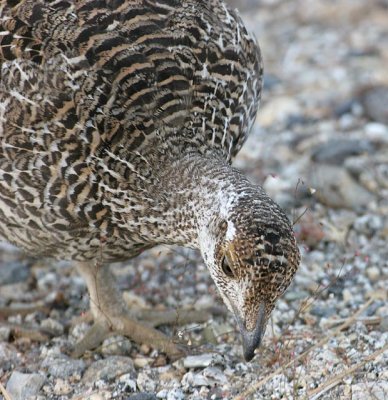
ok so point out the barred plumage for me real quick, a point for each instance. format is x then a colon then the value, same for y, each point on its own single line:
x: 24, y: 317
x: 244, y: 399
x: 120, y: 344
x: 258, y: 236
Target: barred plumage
x: 118, y: 123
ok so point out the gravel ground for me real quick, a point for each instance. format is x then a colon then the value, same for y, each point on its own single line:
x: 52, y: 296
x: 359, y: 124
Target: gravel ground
x: 320, y: 148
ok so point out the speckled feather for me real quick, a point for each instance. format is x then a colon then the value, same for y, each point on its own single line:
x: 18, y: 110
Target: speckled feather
x: 118, y: 123
x: 96, y: 96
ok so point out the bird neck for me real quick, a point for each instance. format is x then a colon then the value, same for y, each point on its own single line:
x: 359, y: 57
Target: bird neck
x: 189, y: 197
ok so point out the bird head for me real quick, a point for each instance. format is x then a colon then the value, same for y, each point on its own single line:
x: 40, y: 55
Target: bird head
x: 252, y: 256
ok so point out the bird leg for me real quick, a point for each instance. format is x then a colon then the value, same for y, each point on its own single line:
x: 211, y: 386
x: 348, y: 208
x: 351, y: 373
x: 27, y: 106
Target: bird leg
x: 110, y: 315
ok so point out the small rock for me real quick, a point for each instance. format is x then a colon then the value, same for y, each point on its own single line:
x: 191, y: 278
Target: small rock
x: 373, y: 273
x: 23, y: 386
x: 202, y: 360
x: 337, y: 189
x: 376, y: 131
x: 193, y: 379
x: 374, y: 101
x: 62, y: 366
x: 13, y: 272
x: 141, y: 362
x: 383, y: 327
x: 108, y: 368
x: 215, y: 375
x: 347, y: 295
x: 175, y: 394
x: 116, y: 345
x: 323, y: 311
x: 143, y: 396
x: 336, y: 151
x: 62, y: 387
x: 147, y: 380
x: 5, y: 333
x: 278, y: 110
x: 210, y: 376
x: 52, y: 326
x: 368, y: 224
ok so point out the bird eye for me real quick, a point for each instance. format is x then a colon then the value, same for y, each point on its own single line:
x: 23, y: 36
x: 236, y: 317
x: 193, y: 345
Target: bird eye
x: 227, y: 270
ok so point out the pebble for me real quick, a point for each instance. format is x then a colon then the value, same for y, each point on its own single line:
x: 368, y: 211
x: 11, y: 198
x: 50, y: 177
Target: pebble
x: 174, y: 394
x: 116, y: 345
x: 202, y: 360
x: 5, y: 333
x: 315, y: 60
x: 24, y: 386
x: 336, y: 151
x: 278, y: 109
x: 62, y: 387
x: 374, y: 101
x: 147, y: 380
x: 368, y: 224
x: 210, y: 376
x: 376, y: 131
x: 62, y: 366
x: 337, y: 189
x: 128, y: 381
x: 52, y: 326
x: 13, y: 272
x: 108, y: 368
x: 142, y: 396
x: 373, y: 273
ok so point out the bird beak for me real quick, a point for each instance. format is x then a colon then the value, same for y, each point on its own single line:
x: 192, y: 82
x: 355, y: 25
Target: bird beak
x: 252, y: 339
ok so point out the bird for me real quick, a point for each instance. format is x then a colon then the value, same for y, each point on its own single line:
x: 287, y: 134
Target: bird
x: 119, y: 122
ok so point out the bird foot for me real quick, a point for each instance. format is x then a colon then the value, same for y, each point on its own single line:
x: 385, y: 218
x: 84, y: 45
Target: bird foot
x: 134, y: 330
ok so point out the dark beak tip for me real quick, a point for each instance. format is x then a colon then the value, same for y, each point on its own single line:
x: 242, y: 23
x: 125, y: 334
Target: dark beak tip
x: 248, y: 355
x: 249, y: 348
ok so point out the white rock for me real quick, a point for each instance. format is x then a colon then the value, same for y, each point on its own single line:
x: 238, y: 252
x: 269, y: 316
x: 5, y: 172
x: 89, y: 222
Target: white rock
x: 22, y: 386
x: 373, y: 273
x: 377, y: 131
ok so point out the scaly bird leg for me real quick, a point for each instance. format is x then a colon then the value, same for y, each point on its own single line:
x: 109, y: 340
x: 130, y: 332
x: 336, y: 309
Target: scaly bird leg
x: 111, y: 315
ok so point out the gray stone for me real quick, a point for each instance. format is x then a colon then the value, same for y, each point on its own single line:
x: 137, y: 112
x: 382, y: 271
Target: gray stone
x: 5, y: 333
x: 147, y: 380
x: 368, y: 224
x: 336, y: 151
x: 52, y: 326
x: 336, y: 188
x: 175, y: 394
x: 62, y: 366
x: 202, y: 360
x: 210, y: 376
x: 374, y: 101
x: 116, y: 345
x: 108, y: 368
x: 142, y: 396
x: 13, y: 272
x: 24, y: 386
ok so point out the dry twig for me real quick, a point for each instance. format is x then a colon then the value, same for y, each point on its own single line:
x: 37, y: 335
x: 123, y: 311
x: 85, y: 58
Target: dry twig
x: 4, y: 392
x: 335, y: 380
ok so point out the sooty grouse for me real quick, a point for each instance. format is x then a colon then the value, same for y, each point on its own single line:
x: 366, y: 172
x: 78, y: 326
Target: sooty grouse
x: 118, y: 123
